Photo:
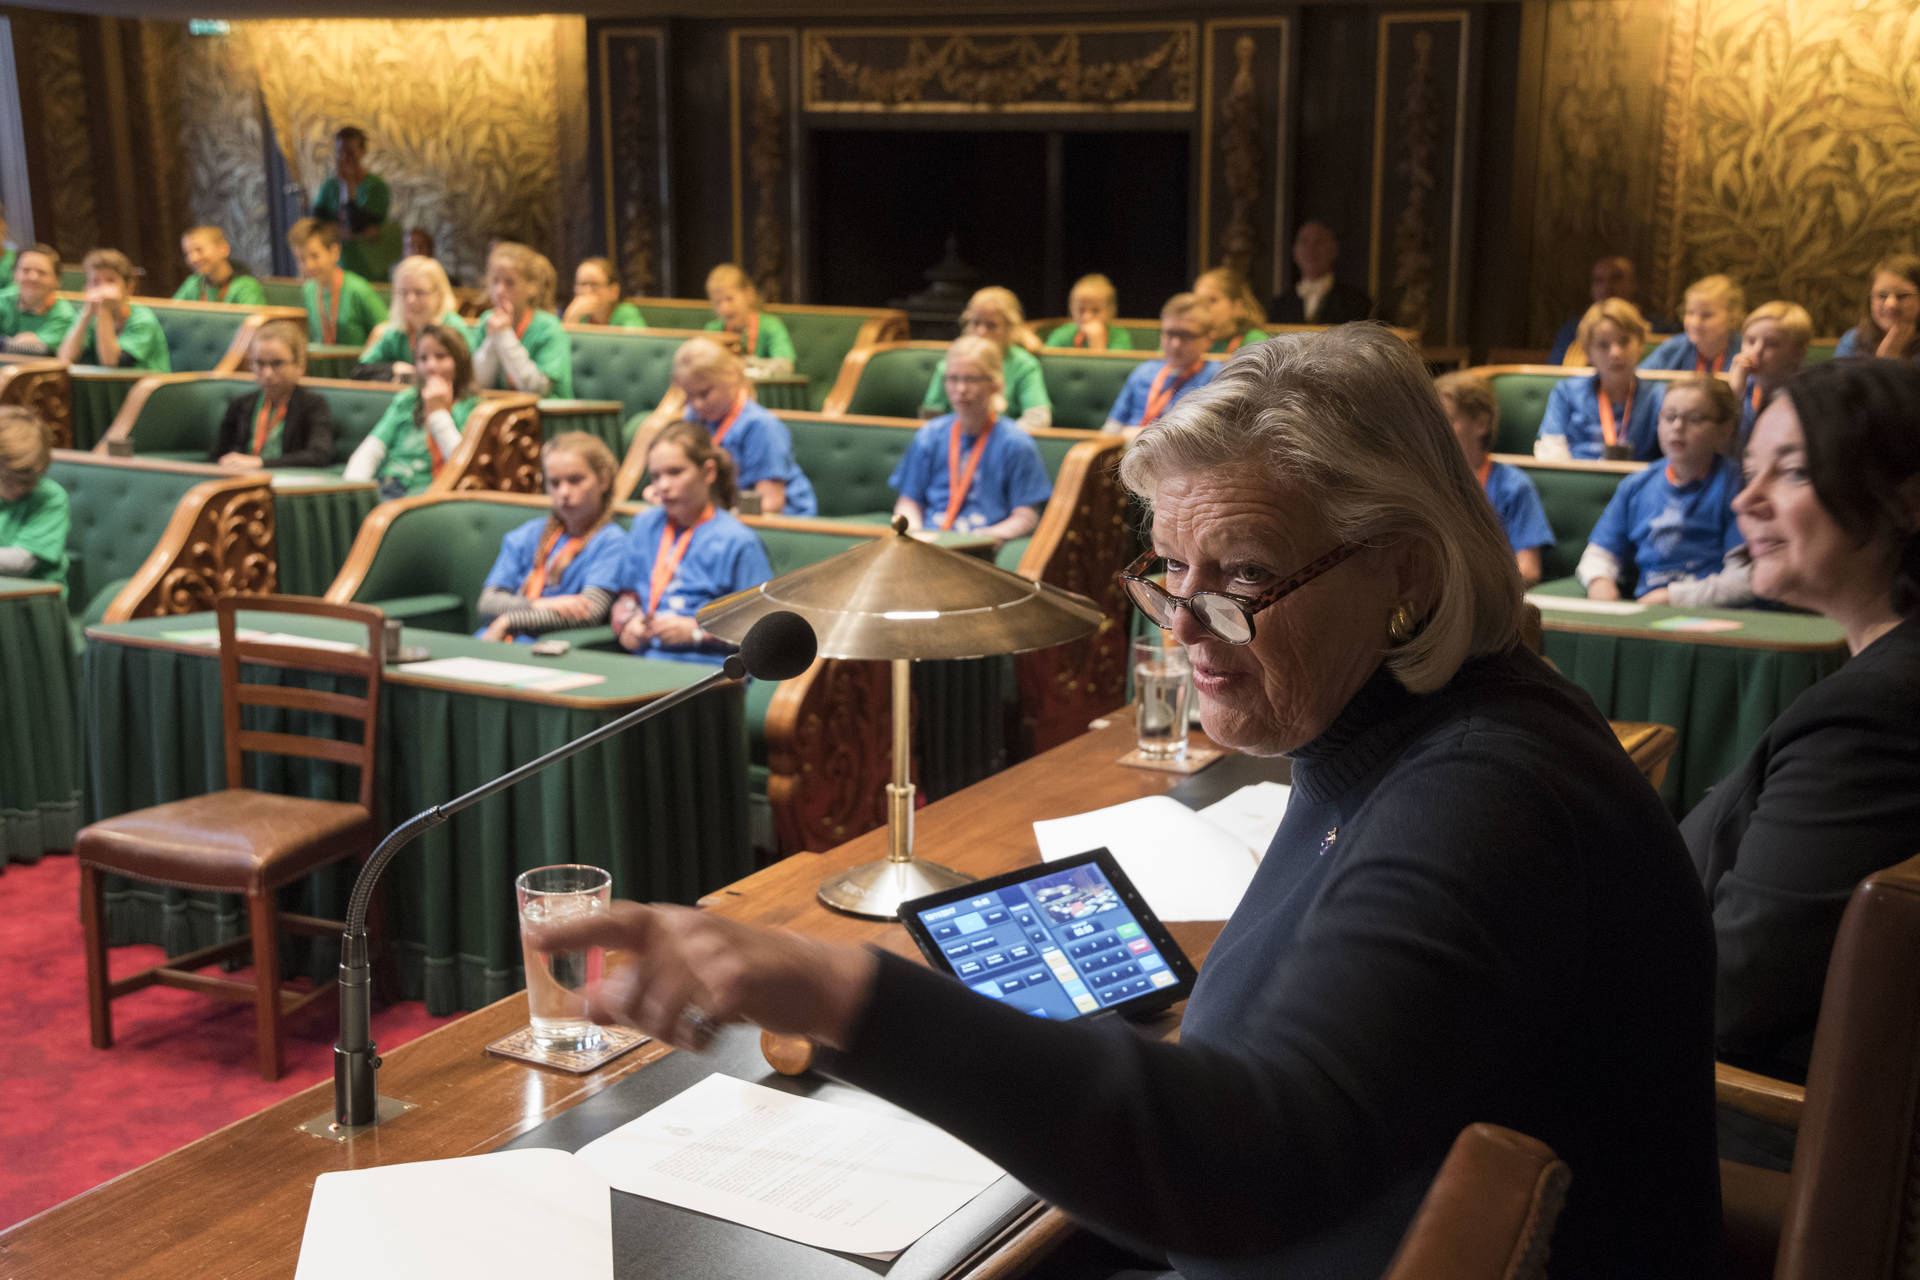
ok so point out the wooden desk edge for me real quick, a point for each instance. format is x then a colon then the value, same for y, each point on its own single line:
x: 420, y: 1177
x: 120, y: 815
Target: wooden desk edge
x: 1716, y: 639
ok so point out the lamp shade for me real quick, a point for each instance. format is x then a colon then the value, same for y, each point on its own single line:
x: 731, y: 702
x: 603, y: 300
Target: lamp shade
x: 899, y: 597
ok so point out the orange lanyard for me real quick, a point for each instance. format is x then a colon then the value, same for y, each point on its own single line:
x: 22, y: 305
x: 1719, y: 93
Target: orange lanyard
x: 433, y: 446
x: 667, y: 561
x: 263, y: 423
x: 753, y: 338
x: 1672, y: 479
x: 1485, y: 471
x: 1703, y: 365
x: 1159, y: 396
x: 1233, y: 344
x: 1756, y: 395
x: 330, y: 323
x: 961, y: 480
x: 1607, y: 430
x: 726, y: 423
x: 520, y: 329
x: 1080, y: 339
x: 536, y: 584
x: 206, y: 289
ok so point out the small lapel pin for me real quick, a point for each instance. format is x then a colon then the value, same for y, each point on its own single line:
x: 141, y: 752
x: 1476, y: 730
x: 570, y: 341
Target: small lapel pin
x: 1326, y: 841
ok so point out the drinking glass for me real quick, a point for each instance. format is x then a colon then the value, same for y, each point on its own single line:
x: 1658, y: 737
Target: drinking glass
x: 1161, y: 679
x: 557, y: 980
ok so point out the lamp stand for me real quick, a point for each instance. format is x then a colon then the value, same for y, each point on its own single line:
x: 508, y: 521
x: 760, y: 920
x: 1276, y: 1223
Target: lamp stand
x: 876, y: 889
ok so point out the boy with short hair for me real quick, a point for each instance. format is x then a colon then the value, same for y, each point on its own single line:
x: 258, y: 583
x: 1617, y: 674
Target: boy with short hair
x: 110, y: 330
x: 215, y: 278
x: 1152, y: 389
x: 342, y: 308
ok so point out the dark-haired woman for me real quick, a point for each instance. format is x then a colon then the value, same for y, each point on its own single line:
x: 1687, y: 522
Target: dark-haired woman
x: 1831, y: 515
x: 1891, y: 325
x: 421, y: 428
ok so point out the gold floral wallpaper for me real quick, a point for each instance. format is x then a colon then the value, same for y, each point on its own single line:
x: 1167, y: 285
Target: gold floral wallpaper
x: 220, y: 132
x: 470, y: 120
x: 1778, y: 142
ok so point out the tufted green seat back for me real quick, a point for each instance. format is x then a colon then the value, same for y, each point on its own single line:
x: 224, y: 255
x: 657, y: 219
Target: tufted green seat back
x: 117, y: 513
x: 894, y: 382
x: 183, y: 418
x: 1573, y: 499
x: 1084, y: 386
x: 197, y: 338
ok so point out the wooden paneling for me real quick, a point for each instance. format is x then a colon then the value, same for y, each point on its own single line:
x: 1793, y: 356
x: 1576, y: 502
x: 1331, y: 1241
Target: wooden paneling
x: 1243, y: 147
x: 1419, y: 164
x: 763, y: 74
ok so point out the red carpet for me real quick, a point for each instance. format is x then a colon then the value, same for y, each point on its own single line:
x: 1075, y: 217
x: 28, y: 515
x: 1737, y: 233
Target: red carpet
x: 182, y: 1064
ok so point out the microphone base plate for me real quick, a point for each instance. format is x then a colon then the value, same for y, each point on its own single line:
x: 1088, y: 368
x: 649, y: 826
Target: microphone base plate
x: 385, y: 1109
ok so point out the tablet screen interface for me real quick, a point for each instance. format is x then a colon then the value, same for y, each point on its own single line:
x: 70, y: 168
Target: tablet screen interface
x: 1060, y: 945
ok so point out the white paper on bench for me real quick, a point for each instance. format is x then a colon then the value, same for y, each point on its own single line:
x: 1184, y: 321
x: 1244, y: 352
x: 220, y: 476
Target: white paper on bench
x: 1186, y: 867
x: 1578, y: 604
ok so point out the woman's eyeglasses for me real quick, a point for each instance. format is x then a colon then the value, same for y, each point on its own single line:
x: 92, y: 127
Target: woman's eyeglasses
x: 1227, y: 617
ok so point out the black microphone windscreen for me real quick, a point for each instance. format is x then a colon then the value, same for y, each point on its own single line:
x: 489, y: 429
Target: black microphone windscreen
x: 779, y: 647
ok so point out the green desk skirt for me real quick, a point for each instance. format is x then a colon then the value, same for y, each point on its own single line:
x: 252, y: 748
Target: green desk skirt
x: 314, y: 528
x: 1719, y: 696
x: 597, y: 418
x: 335, y: 361
x: 663, y: 806
x: 40, y: 759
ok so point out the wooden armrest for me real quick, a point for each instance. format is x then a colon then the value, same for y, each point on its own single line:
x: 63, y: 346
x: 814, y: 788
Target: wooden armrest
x: 1762, y: 1097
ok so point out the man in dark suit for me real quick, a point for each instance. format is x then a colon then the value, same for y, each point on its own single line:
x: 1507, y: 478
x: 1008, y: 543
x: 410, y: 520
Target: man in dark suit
x: 1317, y: 297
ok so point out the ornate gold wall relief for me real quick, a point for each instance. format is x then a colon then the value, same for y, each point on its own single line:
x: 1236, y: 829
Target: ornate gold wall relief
x: 632, y: 65
x: 220, y: 130
x: 1802, y: 155
x: 65, y: 142
x: 762, y: 92
x: 1418, y: 170
x: 1105, y: 67
x: 1243, y: 139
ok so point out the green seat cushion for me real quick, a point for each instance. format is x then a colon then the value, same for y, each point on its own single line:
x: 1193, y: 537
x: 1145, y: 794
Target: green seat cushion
x: 848, y: 464
x: 182, y: 419
x: 116, y: 515
x: 634, y: 368
x: 1522, y: 399
x: 894, y: 382
x: 1083, y: 387
x: 197, y: 339
x: 1573, y: 500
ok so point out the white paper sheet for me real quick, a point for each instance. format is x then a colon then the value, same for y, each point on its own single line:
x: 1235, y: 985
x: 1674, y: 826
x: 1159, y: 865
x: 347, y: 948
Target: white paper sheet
x: 510, y: 1215
x: 1252, y: 813
x: 1579, y: 604
x: 209, y: 637
x: 510, y: 675
x: 1186, y: 867
x: 827, y: 1175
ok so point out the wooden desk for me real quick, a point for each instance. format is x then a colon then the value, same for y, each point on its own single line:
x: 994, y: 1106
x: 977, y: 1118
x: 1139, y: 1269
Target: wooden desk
x: 234, y: 1203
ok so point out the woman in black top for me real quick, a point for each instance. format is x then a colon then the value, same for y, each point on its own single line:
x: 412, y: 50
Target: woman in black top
x: 1475, y: 907
x: 282, y: 424
x: 1831, y: 515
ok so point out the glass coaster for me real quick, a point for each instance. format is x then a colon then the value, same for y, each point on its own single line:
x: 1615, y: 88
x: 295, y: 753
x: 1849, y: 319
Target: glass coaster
x: 614, y: 1041
x: 1196, y: 759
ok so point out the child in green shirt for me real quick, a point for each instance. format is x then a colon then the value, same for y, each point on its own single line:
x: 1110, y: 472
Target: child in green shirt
x: 32, y: 320
x: 1237, y: 313
x: 342, y: 308
x: 33, y: 509
x: 110, y: 330
x: 215, y: 278
x: 421, y: 428
x: 764, y: 339
x: 994, y: 313
x: 596, y: 297
x: 422, y: 295
x: 522, y: 348
x: 1094, y: 304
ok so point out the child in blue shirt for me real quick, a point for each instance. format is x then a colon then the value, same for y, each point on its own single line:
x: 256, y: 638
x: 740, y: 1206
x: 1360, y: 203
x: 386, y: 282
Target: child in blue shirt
x: 1669, y: 533
x: 683, y: 554
x: 1474, y: 414
x: 542, y: 580
x: 715, y: 382
x: 972, y: 470
x: 1773, y: 346
x: 1612, y: 414
x: 1154, y: 385
x: 1715, y: 309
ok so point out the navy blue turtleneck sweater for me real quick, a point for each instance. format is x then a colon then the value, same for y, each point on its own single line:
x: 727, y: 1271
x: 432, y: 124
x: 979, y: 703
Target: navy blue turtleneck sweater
x: 1475, y: 909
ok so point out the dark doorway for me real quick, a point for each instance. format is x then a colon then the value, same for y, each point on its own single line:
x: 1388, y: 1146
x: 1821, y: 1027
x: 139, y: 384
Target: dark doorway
x: 1030, y: 210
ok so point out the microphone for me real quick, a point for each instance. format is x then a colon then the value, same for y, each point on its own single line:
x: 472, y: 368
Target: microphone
x: 779, y: 646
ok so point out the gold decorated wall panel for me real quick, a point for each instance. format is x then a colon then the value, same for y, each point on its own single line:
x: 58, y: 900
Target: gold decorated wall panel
x: 466, y: 119
x: 220, y: 124
x: 763, y: 102
x: 1419, y: 170
x: 1243, y: 148
x: 1085, y: 67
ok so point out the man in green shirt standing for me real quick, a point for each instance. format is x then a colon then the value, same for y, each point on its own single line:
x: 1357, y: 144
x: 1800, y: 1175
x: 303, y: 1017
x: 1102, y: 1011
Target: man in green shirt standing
x: 214, y: 278
x: 32, y: 320
x: 357, y: 202
x: 111, y: 331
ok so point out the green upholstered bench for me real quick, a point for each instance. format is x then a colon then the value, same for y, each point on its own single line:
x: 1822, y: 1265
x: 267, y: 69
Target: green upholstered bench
x: 208, y: 336
x: 1084, y: 384
x: 159, y: 537
x: 1145, y: 333
x: 633, y: 367
x: 178, y: 415
x: 98, y: 394
x: 1521, y: 391
x: 885, y: 380
x: 285, y: 291
x: 822, y: 336
x: 1573, y: 494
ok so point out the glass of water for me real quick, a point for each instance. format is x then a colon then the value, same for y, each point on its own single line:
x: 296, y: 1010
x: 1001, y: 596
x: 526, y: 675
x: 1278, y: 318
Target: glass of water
x: 557, y: 980
x: 1161, y: 680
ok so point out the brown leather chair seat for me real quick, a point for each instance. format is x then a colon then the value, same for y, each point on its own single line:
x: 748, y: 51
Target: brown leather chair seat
x: 229, y: 841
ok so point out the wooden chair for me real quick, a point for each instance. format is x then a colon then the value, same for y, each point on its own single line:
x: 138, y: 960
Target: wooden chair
x: 240, y: 840
x: 1489, y: 1213
x: 1847, y: 1208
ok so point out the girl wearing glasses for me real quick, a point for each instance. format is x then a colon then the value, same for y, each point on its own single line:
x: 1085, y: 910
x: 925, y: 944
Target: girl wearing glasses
x: 283, y: 424
x: 994, y: 314
x: 1890, y: 325
x: 1475, y: 908
x: 972, y: 470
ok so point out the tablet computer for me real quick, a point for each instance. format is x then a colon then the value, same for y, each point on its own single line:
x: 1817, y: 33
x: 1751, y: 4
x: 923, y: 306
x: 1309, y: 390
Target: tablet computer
x: 1066, y: 939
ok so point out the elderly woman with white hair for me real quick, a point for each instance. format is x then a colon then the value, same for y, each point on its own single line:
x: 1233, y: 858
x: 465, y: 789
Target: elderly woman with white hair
x: 1475, y: 908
